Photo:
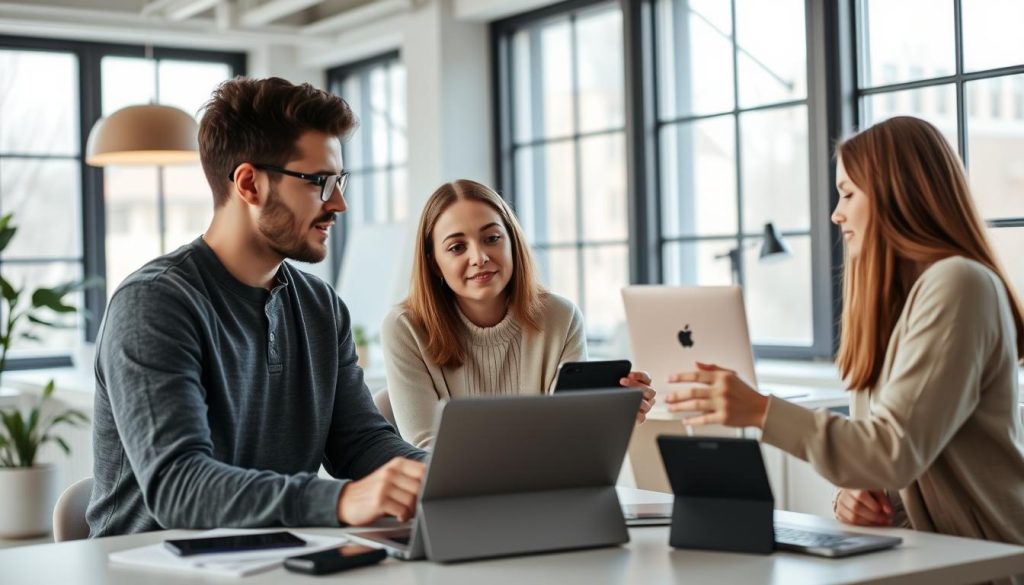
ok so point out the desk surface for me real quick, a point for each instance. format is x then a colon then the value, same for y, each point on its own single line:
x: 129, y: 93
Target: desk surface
x: 647, y: 559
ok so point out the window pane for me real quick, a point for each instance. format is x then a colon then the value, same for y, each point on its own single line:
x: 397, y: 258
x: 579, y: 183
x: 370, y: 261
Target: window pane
x: 698, y: 185
x: 935, y: 104
x: 775, y: 169
x: 778, y: 294
x: 992, y: 35
x: 1008, y: 242
x: 772, y: 51
x: 353, y: 152
x: 187, y: 85
x: 189, y: 204
x: 49, y: 274
x: 995, y: 142
x: 126, y: 81
x: 45, y: 197
x: 559, y: 271
x: 379, y: 127
x: 607, y: 271
x: 894, y: 51
x: 695, y: 58
x: 599, y: 54
x: 133, y: 236
x: 34, y: 120
x: 697, y: 263
x: 546, y: 192
x: 542, y: 72
x: 396, y: 111
x: 381, y: 197
x: 603, y: 188
x: 358, y: 196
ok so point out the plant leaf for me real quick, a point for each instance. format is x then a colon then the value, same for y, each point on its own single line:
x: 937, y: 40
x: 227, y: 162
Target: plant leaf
x: 77, y: 285
x: 8, y: 291
x: 47, y: 392
x: 6, y: 231
x: 63, y: 445
x: 51, y: 299
x: 31, y: 336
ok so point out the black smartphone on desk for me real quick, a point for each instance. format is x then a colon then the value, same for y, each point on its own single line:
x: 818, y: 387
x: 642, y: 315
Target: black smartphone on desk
x: 591, y: 375
x: 333, y: 560
x: 232, y: 543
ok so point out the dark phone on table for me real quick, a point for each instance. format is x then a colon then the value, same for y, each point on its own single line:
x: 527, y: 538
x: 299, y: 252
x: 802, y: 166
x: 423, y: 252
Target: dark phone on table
x: 591, y: 375
x: 333, y: 560
x: 234, y: 543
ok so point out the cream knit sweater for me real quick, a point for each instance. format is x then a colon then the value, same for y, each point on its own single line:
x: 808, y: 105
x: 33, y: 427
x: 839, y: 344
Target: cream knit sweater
x: 503, y: 359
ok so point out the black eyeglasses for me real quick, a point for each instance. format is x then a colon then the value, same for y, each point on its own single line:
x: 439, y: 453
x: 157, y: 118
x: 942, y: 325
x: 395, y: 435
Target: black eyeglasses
x: 327, y: 183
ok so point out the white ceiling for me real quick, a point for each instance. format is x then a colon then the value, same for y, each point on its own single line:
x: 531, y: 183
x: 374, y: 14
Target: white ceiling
x: 227, y: 23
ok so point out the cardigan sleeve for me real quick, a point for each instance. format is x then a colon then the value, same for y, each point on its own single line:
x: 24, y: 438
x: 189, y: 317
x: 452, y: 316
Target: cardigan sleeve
x: 933, y: 388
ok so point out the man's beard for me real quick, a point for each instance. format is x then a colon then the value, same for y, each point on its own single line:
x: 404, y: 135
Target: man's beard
x: 285, y: 236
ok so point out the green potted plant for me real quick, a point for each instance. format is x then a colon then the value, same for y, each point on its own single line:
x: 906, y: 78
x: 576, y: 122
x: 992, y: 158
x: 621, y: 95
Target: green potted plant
x: 27, y: 488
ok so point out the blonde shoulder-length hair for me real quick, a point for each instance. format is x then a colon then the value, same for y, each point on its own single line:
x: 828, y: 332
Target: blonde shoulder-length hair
x: 921, y: 212
x: 431, y: 304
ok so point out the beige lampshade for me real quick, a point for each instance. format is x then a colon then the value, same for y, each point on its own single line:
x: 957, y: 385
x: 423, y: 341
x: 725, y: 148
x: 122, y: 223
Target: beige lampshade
x: 143, y: 135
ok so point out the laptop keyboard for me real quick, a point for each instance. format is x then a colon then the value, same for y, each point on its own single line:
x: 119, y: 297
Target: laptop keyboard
x: 795, y: 537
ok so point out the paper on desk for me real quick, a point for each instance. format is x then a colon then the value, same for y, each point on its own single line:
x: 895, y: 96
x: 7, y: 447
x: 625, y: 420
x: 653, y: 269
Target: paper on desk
x: 156, y: 556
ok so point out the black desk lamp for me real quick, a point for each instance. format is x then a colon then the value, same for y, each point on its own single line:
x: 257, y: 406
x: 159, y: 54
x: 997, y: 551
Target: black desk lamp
x: 773, y: 248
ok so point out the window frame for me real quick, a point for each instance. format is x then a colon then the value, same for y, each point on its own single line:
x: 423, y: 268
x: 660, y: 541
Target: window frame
x: 959, y: 78
x: 830, y: 109
x: 93, y: 260
x: 336, y: 77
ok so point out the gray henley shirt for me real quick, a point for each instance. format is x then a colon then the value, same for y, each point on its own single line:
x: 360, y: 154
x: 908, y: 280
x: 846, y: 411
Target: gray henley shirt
x: 216, y: 402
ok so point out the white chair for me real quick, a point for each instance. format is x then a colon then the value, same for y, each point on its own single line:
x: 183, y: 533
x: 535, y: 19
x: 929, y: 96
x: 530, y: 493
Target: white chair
x: 69, y: 512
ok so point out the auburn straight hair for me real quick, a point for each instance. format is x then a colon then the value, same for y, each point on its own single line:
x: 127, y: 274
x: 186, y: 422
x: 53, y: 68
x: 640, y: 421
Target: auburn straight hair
x: 921, y: 211
x: 431, y: 304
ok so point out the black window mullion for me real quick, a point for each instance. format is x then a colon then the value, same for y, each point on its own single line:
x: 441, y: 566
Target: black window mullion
x: 739, y: 272
x: 961, y: 86
x: 581, y: 280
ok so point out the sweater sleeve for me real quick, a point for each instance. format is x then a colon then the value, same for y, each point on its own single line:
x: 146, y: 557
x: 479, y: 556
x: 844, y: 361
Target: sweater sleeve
x: 575, y: 347
x: 411, y: 390
x: 150, y: 361
x: 932, y: 390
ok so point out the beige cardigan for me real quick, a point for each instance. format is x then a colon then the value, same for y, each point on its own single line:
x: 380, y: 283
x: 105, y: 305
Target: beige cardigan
x: 502, y: 359
x: 942, y: 425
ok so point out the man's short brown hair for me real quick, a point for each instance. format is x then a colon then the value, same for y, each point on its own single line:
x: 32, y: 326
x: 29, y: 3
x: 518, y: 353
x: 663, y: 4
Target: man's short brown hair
x: 260, y: 121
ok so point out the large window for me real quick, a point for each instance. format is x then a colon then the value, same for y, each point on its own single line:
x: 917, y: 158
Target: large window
x: 720, y: 111
x: 376, y: 155
x: 565, y: 154
x: 153, y: 210
x: 961, y: 67
x: 74, y: 219
x: 732, y: 143
x: 40, y: 157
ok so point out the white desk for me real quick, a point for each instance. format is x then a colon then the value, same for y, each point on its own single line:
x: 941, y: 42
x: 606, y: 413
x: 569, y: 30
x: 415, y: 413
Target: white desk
x: 646, y: 560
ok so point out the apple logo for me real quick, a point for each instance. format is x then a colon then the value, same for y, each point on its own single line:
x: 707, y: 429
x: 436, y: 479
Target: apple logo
x: 686, y: 337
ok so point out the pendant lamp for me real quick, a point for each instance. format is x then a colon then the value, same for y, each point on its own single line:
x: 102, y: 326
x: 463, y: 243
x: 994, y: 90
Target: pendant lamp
x: 143, y: 135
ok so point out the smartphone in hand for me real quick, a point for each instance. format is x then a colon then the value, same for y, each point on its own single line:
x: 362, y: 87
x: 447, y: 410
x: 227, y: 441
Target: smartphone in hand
x: 232, y: 543
x: 591, y: 375
x: 334, y: 560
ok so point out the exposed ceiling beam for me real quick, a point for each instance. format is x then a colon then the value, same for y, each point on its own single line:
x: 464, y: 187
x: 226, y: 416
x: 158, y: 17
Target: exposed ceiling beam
x: 117, y: 26
x: 357, y: 16
x: 273, y: 10
x: 190, y: 8
x: 156, y: 6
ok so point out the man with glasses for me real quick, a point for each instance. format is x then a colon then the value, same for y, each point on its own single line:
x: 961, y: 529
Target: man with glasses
x: 225, y: 376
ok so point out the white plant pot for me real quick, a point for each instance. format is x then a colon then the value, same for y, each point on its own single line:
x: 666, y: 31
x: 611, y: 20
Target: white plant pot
x: 27, y: 496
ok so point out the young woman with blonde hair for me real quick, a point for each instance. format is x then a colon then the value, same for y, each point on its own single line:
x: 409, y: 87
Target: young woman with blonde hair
x: 477, y: 321
x: 932, y: 334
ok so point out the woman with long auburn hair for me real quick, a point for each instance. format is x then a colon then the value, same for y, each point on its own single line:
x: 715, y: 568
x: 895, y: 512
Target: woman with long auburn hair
x: 477, y: 321
x: 932, y: 334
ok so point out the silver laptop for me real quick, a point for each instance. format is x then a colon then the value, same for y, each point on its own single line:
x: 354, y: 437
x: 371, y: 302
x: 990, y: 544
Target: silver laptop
x: 672, y: 327
x: 517, y: 475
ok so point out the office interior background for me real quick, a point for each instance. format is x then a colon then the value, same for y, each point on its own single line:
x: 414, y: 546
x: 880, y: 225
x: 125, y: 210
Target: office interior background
x: 639, y: 141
